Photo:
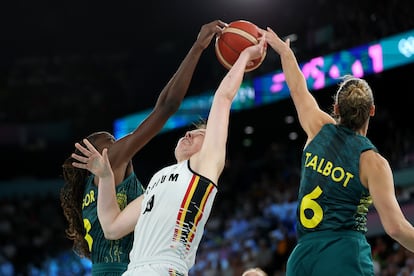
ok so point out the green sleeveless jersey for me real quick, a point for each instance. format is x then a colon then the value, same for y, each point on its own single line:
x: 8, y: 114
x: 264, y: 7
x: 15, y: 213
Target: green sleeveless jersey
x: 109, y: 257
x: 331, y: 195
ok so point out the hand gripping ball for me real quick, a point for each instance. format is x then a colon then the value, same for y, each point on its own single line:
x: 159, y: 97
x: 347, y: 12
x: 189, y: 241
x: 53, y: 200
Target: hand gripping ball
x: 234, y: 39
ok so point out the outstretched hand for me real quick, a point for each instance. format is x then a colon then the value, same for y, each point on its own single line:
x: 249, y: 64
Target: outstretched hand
x: 208, y: 31
x: 276, y: 42
x: 92, y: 160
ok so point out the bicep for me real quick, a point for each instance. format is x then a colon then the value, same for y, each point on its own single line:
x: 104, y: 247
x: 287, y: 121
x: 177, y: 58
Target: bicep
x: 213, y: 152
x: 378, y: 177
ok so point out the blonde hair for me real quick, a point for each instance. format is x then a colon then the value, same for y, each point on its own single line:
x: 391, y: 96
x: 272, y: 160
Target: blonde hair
x: 354, y: 99
x: 256, y: 271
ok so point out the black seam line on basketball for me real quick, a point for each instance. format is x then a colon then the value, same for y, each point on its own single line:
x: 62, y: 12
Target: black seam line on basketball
x: 242, y: 33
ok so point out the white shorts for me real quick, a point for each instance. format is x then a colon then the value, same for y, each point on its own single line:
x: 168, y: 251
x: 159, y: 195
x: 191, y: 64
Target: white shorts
x: 153, y: 270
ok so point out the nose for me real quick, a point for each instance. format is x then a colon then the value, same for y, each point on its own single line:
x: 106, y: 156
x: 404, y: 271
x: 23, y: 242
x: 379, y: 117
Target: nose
x: 188, y: 134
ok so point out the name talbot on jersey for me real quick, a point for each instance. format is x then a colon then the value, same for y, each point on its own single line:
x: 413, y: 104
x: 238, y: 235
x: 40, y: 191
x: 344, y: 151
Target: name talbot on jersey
x: 326, y: 168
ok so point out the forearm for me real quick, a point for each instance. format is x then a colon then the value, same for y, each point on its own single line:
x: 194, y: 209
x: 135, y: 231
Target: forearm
x: 177, y: 87
x: 403, y: 233
x: 108, y: 208
x: 234, y: 77
x: 407, y: 239
x: 293, y: 75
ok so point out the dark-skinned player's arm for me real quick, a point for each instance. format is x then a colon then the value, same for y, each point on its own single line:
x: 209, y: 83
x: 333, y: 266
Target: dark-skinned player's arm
x: 168, y: 101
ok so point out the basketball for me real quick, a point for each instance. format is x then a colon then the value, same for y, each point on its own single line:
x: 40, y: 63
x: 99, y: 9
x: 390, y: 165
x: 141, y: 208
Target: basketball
x: 234, y: 39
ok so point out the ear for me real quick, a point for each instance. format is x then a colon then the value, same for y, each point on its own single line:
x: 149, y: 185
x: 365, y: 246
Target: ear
x: 336, y: 109
x: 372, y: 110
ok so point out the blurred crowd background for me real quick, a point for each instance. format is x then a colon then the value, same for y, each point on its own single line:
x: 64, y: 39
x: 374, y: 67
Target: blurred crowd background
x: 56, y: 88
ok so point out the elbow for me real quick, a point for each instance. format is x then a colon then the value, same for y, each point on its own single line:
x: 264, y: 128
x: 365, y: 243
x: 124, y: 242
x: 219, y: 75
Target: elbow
x: 109, y: 228
x: 169, y: 107
x: 111, y: 234
x: 173, y: 106
x: 395, y: 231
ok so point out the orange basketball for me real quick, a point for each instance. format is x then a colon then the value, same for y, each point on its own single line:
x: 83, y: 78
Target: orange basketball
x: 235, y: 38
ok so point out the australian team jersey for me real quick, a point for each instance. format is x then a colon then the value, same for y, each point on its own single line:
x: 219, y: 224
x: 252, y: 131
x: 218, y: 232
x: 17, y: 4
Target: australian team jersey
x: 175, y: 209
x: 108, y: 255
x: 331, y: 195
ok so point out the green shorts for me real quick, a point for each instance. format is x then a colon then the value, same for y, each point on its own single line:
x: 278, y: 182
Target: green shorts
x: 108, y: 269
x: 331, y: 253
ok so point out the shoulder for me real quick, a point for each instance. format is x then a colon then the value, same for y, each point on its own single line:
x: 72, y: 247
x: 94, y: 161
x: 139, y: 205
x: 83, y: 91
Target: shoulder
x: 373, y: 166
x: 373, y: 159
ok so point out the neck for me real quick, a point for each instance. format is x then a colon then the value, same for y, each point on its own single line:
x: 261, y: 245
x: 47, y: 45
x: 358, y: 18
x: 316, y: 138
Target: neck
x: 364, y: 129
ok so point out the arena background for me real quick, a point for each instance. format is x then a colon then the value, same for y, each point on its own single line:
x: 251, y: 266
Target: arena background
x: 71, y: 68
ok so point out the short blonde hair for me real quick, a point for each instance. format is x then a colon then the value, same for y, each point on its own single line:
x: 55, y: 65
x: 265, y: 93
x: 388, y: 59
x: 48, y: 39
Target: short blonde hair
x: 256, y: 271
